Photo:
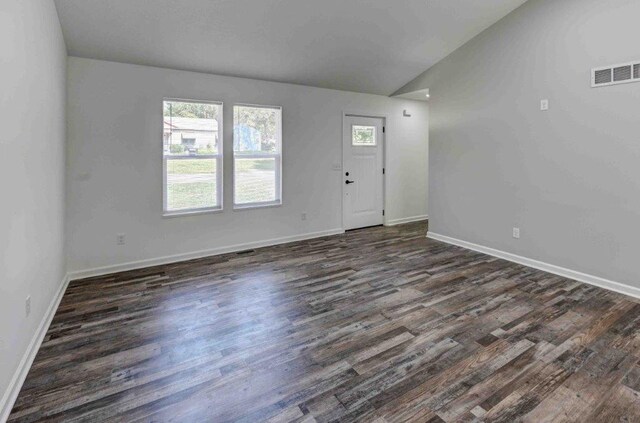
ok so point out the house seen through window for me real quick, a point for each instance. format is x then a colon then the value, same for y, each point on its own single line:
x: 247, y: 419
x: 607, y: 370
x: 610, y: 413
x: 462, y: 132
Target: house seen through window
x: 192, y: 151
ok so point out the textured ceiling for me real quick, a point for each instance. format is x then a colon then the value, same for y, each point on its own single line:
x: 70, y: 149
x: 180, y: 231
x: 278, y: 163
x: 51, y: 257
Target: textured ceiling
x: 372, y: 46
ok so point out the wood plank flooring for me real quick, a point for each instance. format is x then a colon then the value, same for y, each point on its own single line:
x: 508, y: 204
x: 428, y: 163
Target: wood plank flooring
x: 377, y: 325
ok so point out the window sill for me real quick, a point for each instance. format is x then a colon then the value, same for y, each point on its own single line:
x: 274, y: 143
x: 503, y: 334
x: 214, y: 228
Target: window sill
x: 168, y: 215
x: 257, y: 206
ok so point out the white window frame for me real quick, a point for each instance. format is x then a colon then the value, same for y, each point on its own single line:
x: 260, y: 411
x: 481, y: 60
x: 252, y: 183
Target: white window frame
x: 219, y: 165
x: 375, y: 137
x: 276, y: 156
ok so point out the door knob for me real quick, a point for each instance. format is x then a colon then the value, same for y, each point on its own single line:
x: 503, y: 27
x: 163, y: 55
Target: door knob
x: 350, y: 182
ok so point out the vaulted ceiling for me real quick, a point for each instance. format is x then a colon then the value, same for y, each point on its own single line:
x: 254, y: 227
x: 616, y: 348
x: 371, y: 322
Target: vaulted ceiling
x: 372, y: 46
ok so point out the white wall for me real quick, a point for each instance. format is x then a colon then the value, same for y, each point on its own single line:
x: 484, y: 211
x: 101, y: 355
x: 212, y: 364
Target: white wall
x: 115, y: 168
x: 568, y: 177
x: 32, y: 157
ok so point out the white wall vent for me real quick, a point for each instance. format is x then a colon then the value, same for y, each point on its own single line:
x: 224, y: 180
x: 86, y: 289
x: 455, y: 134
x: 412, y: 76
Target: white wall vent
x: 615, y: 74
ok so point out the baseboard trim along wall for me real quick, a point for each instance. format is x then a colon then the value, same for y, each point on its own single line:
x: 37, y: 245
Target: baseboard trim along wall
x: 404, y: 220
x: 550, y: 268
x: 10, y: 396
x: 106, y: 270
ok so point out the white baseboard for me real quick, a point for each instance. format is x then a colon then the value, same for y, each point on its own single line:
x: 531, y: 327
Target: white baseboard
x: 105, y: 270
x: 11, y: 394
x: 550, y: 268
x: 404, y: 220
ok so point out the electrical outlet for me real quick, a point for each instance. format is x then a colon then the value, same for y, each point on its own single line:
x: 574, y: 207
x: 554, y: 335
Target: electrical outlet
x: 544, y: 105
x: 516, y: 233
x: 27, y: 306
x: 303, y: 216
x: 121, y: 239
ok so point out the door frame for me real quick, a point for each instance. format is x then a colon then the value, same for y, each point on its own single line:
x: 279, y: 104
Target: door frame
x: 385, y: 119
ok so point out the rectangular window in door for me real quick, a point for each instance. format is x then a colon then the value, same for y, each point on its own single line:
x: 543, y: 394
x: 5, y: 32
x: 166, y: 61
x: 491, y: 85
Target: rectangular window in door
x: 363, y: 136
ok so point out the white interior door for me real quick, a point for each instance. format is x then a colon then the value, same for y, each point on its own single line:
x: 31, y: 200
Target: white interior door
x: 362, y: 172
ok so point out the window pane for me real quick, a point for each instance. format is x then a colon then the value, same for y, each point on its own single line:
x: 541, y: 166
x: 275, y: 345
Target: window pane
x: 257, y: 140
x: 256, y: 130
x: 363, y: 135
x: 192, y: 150
x: 191, y: 183
x: 255, y: 180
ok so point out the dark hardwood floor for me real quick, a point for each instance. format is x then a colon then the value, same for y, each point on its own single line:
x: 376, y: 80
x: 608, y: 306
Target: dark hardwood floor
x: 377, y: 325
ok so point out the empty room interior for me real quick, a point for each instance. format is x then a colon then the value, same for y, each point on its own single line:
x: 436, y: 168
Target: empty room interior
x: 320, y: 211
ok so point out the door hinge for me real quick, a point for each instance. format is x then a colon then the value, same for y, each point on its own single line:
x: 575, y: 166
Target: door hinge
x: 383, y: 129
x: 383, y: 212
x: 383, y: 171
